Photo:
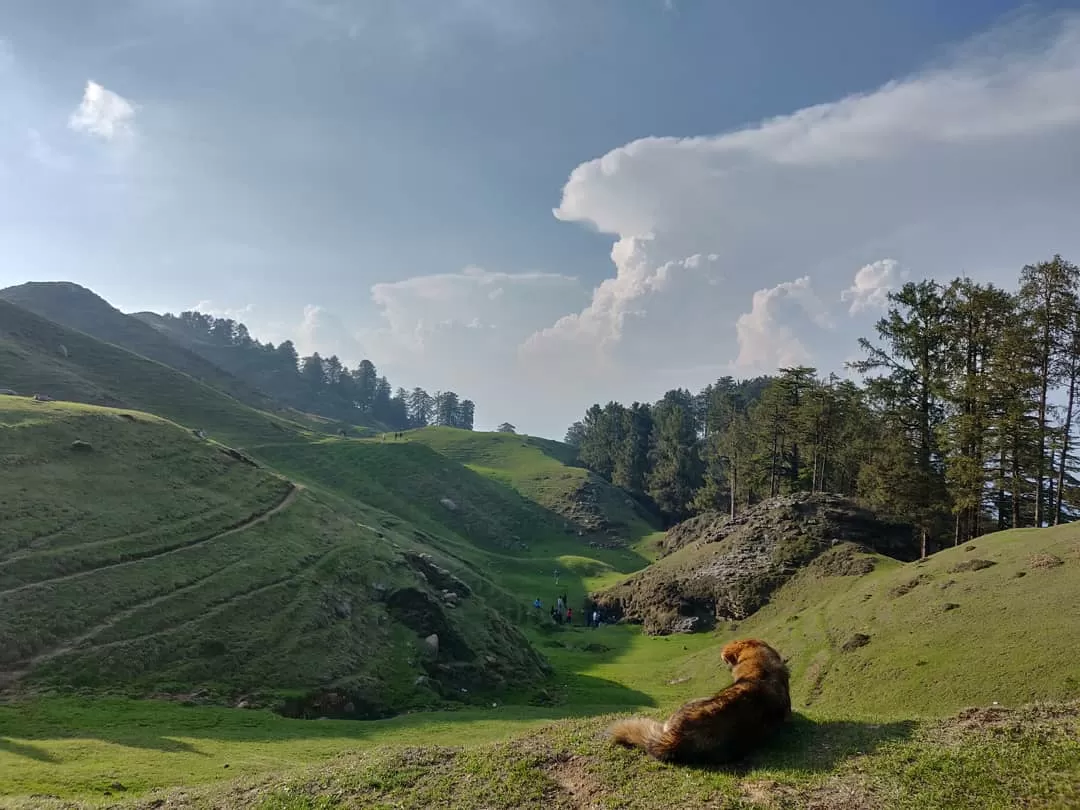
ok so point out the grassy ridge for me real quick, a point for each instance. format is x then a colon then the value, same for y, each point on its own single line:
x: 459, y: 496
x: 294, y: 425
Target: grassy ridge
x: 542, y: 471
x: 39, y: 356
x: 493, y: 528
x: 79, y: 309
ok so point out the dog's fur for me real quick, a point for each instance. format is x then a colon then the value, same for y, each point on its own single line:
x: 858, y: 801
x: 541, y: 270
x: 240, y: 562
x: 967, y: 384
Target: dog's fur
x: 726, y: 726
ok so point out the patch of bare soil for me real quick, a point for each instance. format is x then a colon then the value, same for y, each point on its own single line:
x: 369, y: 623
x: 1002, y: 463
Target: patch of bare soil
x: 842, y: 561
x: 856, y: 641
x: 1049, y: 719
x: 971, y: 565
x: 907, y: 587
x: 1045, y: 561
x: 836, y: 794
x: 576, y: 782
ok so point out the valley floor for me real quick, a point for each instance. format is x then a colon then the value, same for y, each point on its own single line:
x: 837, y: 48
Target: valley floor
x: 75, y: 752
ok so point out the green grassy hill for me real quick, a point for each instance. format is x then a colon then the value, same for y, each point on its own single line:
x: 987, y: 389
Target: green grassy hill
x: 135, y: 556
x: 80, y: 309
x: 544, y: 471
x: 510, y: 506
x: 939, y: 635
x: 40, y: 356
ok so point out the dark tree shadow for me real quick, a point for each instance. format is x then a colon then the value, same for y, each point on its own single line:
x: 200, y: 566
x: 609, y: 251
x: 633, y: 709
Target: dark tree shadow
x: 28, y: 751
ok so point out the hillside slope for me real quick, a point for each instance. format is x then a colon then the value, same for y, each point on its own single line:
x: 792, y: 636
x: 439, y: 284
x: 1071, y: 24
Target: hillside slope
x: 80, y: 309
x: 995, y: 620
x: 40, y: 356
x: 544, y: 472
x: 525, y: 549
x: 134, y: 555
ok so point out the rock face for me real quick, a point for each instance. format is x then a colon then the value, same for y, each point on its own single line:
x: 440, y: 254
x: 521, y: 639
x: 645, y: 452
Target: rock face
x: 715, y: 568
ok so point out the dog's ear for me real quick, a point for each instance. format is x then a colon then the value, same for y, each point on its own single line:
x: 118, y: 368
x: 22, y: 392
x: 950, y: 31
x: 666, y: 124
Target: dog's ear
x: 731, y: 652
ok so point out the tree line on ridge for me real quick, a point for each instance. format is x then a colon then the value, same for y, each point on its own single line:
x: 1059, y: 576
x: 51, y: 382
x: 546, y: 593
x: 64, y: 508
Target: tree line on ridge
x: 320, y: 385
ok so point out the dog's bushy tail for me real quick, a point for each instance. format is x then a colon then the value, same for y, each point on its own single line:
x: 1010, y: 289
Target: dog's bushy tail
x: 640, y: 732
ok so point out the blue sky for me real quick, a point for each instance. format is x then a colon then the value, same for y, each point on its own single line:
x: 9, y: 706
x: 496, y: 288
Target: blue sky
x: 538, y: 204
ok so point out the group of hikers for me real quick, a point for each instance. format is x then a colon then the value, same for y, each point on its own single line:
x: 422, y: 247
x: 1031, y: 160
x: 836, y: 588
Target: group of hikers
x: 562, y: 613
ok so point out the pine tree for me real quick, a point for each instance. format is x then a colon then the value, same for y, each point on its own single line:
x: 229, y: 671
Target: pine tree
x: 976, y: 317
x: 446, y: 408
x: 421, y: 407
x: 1047, y: 298
x: 1071, y: 373
x: 675, y: 473
x: 465, y: 414
x: 575, y: 435
x: 366, y: 380
x: 631, y: 455
x: 911, y: 388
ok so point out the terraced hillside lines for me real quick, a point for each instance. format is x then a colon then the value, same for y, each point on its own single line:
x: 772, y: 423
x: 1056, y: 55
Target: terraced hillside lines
x: 57, y: 592
x: 136, y: 556
x: 134, y: 559
x: 513, y: 544
x: 39, y: 356
x: 149, y: 604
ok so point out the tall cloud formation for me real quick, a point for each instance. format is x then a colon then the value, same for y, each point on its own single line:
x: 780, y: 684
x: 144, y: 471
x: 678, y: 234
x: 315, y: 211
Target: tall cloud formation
x: 969, y: 167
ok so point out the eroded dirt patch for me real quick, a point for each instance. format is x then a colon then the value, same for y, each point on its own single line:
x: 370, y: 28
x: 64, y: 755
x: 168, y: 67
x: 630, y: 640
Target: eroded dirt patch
x: 575, y: 780
x: 971, y: 565
x: 1045, y: 561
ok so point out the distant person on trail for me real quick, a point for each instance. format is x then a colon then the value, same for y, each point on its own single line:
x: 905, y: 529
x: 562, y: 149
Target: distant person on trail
x: 559, y: 604
x: 537, y: 603
x: 569, y: 615
x: 554, y: 615
x: 595, y: 619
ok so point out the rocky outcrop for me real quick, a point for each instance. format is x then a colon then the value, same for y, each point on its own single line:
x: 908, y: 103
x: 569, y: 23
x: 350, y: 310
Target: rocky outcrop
x: 813, y: 513
x: 716, y: 568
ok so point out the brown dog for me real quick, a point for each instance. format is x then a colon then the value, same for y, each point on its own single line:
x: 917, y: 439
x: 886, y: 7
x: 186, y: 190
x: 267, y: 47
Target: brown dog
x: 727, y: 725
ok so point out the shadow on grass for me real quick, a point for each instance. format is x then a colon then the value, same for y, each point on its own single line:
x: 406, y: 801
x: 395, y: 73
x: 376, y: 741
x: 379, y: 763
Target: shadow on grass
x: 156, y: 724
x: 819, y: 746
x: 23, y: 750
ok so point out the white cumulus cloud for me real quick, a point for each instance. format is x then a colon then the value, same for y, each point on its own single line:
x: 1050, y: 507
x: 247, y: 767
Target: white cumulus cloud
x: 771, y: 335
x: 104, y: 114
x: 872, y: 285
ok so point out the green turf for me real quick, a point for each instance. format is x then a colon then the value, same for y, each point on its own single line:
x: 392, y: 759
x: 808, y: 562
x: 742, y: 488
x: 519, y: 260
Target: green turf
x: 939, y: 639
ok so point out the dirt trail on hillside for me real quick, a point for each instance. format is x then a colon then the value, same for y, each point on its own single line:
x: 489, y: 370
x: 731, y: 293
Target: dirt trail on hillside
x: 11, y: 676
x: 254, y: 520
